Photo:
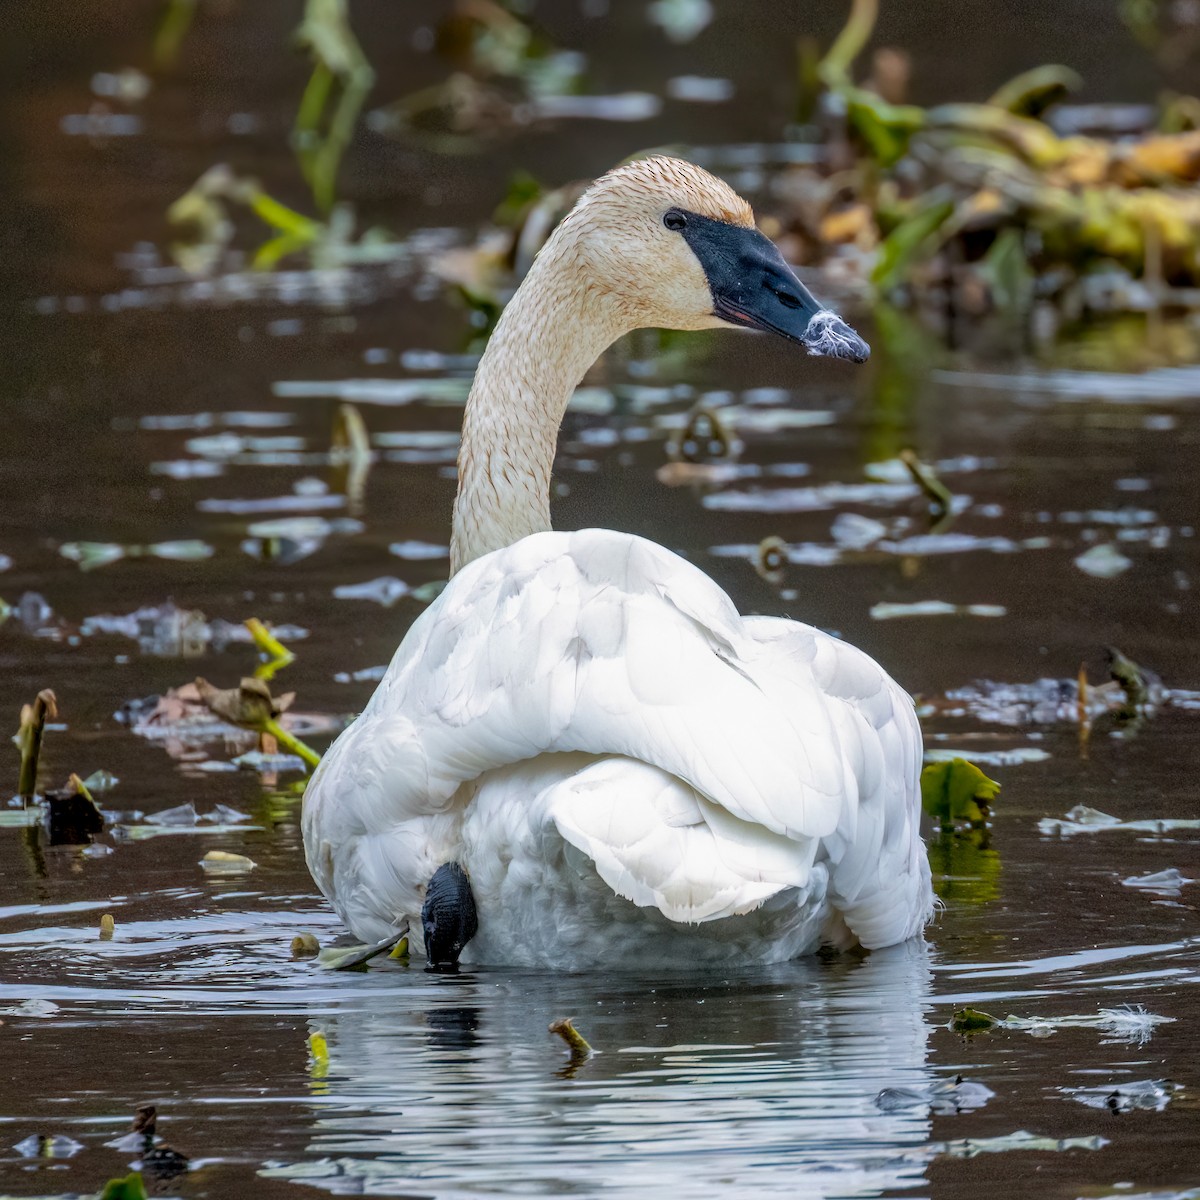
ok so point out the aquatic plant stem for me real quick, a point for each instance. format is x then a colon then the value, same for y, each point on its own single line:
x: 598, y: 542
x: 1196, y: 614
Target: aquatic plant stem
x: 288, y: 742
x: 29, y: 739
x: 848, y: 45
x: 278, y: 655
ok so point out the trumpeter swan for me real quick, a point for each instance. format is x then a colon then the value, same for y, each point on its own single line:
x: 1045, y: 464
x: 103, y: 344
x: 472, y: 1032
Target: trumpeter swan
x: 581, y: 754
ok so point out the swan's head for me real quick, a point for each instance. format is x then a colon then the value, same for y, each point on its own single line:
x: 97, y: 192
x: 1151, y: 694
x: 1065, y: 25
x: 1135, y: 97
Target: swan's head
x: 676, y: 248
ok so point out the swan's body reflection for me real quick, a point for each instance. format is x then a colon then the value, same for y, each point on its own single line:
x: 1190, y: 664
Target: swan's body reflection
x: 704, y: 1085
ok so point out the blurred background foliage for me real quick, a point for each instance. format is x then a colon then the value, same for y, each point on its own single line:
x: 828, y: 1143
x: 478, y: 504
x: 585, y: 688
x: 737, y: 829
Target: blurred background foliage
x: 1027, y: 173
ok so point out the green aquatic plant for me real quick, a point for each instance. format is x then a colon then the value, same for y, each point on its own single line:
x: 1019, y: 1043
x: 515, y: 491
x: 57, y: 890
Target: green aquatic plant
x: 972, y: 1020
x: 29, y: 740
x: 578, y: 1047
x: 275, y: 653
x: 177, y: 19
x: 333, y: 98
x: 957, y: 791
x: 130, y: 1187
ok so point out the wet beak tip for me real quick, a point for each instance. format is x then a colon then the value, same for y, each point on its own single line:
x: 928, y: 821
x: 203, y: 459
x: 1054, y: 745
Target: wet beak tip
x: 829, y: 335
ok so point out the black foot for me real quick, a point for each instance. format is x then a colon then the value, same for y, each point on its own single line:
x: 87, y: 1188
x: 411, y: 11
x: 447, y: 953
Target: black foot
x: 449, y: 917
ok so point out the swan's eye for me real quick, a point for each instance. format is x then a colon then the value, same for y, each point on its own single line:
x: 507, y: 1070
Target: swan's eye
x: 674, y: 219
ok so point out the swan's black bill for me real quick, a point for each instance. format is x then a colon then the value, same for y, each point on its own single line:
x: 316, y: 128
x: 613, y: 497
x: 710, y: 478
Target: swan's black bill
x: 448, y: 916
x: 752, y: 285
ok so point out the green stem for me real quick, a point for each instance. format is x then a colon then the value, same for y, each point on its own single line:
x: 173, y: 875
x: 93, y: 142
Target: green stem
x: 177, y: 20
x: 288, y: 742
x: 33, y: 723
x: 278, y: 655
x: 835, y: 67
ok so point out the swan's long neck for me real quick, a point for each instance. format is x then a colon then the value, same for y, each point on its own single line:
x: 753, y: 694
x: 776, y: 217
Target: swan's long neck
x: 553, y: 329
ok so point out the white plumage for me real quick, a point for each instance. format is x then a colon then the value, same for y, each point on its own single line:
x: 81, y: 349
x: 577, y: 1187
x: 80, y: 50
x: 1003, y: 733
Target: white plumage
x: 625, y: 768
x: 628, y: 770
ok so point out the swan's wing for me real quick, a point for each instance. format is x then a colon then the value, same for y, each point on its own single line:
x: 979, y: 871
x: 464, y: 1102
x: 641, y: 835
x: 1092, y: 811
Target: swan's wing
x: 658, y: 842
x: 879, y: 870
x: 605, y: 643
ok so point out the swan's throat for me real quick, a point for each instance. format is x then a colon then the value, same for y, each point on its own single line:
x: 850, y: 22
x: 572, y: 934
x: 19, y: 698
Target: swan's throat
x: 553, y: 329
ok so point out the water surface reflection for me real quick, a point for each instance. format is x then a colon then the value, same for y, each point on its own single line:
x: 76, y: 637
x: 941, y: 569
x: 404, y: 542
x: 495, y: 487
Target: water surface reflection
x: 700, y: 1083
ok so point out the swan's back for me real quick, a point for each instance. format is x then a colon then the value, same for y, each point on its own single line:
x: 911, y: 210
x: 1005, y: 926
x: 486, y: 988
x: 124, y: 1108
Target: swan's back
x: 587, y: 724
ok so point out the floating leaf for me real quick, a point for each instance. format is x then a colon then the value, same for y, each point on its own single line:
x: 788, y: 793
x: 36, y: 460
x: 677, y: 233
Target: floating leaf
x: 957, y: 791
x: 972, y: 1020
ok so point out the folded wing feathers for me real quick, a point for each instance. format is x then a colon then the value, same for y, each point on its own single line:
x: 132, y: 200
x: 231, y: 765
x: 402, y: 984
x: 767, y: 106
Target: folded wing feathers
x: 775, y: 741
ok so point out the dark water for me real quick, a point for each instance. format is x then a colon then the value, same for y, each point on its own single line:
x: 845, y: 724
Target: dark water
x: 171, y: 413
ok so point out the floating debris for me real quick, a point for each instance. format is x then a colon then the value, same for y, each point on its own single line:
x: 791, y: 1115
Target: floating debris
x: 681, y: 20
x: 362, y: 675
x: 991, y: 758
x: 1021, y: 1141
x: 944, y: 1099
x: 349, y: 958
x: 1130, y: 1023
x: 935, y: 608
x: 222, y: 862
x: 270, y: 764
x: 385, y: 591
x: 108, y: 926
x: 1104, y: 561
x: 180, y: 721
x: 1150, y: 1095
x: 305, y: 945
x: 90, y: 555
x: 419, y: 551
x: 1164, y: 883
x: 31, y: 1008
x: 811, y: 499
x: 853, y: 531
x: 39, y: 1145
x: 1082, y: 819
x: 72, y: 814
